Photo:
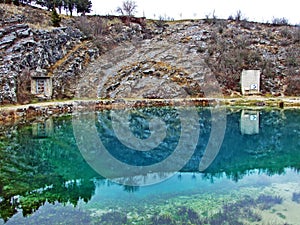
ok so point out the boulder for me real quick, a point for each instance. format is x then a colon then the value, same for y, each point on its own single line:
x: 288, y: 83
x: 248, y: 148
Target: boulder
x: 7, y: 40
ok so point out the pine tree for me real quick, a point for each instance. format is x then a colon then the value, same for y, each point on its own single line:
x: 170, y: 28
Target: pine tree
x: 55, y: 18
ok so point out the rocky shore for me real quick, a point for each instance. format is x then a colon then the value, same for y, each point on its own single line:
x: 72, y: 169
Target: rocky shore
x: 23, y: 113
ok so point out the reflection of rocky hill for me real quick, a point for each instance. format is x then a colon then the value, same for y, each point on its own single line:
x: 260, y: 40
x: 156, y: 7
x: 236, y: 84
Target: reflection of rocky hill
x: 276, y: 147
x: 195, y: 51
x: 51, y: 168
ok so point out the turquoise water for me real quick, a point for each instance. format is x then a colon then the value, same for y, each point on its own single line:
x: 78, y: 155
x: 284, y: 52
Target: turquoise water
x: 46, y: 177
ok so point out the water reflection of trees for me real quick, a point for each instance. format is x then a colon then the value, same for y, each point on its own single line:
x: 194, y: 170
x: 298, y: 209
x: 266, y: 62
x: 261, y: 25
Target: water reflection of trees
x: 35, y: 171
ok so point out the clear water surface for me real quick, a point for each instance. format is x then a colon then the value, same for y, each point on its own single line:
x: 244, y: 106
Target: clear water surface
x: 254, y: 179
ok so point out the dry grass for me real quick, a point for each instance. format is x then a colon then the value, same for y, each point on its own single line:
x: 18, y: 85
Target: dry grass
x: 11, y: 9
x: 36, y: 18
x: 65, y: 58
x: 41, y: 26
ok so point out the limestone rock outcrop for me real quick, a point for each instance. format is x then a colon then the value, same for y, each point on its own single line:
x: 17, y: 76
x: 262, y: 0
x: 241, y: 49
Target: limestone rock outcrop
x: 39, y: 53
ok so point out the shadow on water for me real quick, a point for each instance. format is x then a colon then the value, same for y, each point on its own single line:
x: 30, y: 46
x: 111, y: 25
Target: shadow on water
x: 41, y: 164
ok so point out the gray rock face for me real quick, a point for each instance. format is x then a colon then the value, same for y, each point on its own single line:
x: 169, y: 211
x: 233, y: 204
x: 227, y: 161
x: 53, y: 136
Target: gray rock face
x: 7, y: 40
x: 167, y: 60
x: 210, y: 58
x: 38, y: 53
x: 149, y: 69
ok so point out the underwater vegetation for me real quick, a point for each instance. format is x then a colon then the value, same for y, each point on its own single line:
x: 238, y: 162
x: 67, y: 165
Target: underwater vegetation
x: 55, y: 214
x: 296, y: 197
x: 232, y: 213
x: 267, y: 201
x: 236, y: 213
x: 113, y: 218
x: 189, y: 214
x: 165, y: 219
x: 183, y: 215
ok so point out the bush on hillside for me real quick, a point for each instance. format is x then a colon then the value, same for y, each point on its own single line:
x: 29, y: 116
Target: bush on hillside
x: 55, y: 18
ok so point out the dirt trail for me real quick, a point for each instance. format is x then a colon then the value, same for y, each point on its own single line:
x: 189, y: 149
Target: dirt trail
x: 230, y: 101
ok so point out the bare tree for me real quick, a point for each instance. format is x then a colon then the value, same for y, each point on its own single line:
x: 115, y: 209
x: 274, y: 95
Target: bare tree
x: 239, y: 16
x: 128, y: 8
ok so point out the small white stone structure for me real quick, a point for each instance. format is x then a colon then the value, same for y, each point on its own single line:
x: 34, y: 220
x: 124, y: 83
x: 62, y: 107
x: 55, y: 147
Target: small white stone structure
x: 249, y: 122
x: 250, y: 82
x: 41, y: 86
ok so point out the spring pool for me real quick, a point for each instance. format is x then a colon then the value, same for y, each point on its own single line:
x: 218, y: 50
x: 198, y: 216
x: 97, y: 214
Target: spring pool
x: 51, y: 174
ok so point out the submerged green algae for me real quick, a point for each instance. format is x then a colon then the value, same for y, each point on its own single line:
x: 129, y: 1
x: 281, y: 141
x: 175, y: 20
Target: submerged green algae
x: 226, y: 210
x: 244, y: 205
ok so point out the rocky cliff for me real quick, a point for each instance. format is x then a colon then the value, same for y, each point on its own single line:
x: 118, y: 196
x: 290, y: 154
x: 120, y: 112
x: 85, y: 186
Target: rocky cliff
x: 30, y: 51
x: 114, y: 57
x: 197, y: 58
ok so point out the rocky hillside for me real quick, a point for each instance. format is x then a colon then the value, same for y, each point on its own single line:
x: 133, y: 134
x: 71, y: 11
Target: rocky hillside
x: 34, y: 49
x: 115, y: 57
x: 195, y: 58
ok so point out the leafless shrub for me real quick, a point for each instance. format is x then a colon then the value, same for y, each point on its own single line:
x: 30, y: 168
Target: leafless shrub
x: 214, y: 36
x: 128, y: 8
x: 230, y: 62
x: 286, y: 32
x: 280, y: 21
x: 211, y: 18
x: 222, y: 25
x: 92, y: 27
x: 95, y: 29
x: 99, y: 26
x: 161, y: 21
x: 230, y: 17
x: 238, y: 15
x: 293, y: 58
x: 296, y: 34
x: 267, y: 68
x: 214, y: 17
x: 82, y: 24
x: 293, y: 85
